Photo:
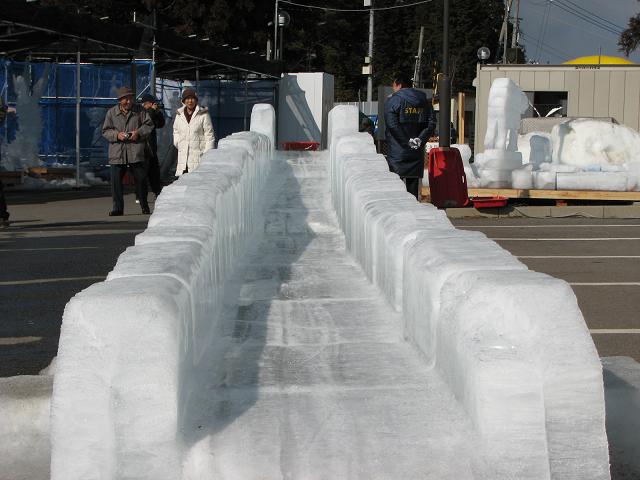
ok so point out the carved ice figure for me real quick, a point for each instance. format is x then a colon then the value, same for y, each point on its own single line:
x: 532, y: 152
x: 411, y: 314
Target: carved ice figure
x: 507, y: 103
x: 23, y: 152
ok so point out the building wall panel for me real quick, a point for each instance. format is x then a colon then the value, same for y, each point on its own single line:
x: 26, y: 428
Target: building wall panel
x: 601, y: 94
x: 586, y: 92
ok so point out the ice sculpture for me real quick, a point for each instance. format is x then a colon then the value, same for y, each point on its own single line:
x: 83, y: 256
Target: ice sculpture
x: 23, y: 152
x: 507, y: 103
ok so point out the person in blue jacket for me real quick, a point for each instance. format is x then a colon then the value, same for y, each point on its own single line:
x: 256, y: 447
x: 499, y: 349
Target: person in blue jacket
x: 409, y: 122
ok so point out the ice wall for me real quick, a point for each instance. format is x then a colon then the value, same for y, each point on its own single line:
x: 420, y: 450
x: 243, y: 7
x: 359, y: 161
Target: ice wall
x: 128, y: 344
x: 512, y: 344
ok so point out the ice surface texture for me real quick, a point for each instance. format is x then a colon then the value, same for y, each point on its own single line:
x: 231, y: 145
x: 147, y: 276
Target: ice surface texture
x: 512, y: 344
x: 24, y: 423
x: 128, y: 344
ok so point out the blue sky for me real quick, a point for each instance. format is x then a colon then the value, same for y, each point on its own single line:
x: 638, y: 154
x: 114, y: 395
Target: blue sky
x: 565, y: 35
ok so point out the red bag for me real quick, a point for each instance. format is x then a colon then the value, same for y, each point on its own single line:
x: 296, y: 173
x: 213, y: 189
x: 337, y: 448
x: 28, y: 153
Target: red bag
x: 447, y: 181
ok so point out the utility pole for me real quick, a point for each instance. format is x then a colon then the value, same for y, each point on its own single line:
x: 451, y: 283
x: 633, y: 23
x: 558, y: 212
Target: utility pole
x: 78, y: 102
x: 444, y: 84
x: 504, y: 31
x: 417, y: 72
x: 370, y: 76
x: 514, y: 37
x: 275, y: 33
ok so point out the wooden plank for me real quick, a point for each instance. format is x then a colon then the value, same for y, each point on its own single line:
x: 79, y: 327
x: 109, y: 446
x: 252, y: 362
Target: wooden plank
x: 549, y: 194
x: 52, y: 170
x: 11, y: 178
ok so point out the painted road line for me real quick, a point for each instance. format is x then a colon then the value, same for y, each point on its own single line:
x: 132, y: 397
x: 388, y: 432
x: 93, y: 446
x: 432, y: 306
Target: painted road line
x: 604, y: 284
x: 4, y: 341
x: 577, y: 256
x: 46, y: 249
x: 64, y: 233
x: 50, y: 280
x: 607, y: 331
x: 547, y: 226
x: 600, y: 239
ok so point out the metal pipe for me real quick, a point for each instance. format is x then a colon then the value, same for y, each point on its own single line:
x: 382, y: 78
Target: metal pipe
x: 213, y: 62
x: 246, y: 99
x: 275, y: 32
x: 78, y: 100
x: 132, y: 50
x: 153, y: 67
x: 417, y: 73
x: 370, y: 76
x: 444, y: 85
x: 5, y: 89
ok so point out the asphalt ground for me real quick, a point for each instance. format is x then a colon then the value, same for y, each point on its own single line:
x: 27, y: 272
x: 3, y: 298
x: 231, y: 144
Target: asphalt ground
x: 599, y: 258
x: 59, y: 242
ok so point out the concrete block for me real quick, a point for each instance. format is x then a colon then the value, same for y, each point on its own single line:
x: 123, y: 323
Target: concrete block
x: 622, y: 211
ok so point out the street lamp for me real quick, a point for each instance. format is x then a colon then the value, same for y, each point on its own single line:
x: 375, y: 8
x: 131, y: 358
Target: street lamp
x: 483, y: 54
x: 284, y: 19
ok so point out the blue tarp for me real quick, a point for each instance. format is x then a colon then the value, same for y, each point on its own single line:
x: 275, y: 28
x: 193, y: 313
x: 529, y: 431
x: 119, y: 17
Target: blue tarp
x: 229, y: 102
x: 58, y: 104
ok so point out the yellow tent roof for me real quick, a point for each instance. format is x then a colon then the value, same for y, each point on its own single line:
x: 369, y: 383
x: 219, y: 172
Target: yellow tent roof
x: 600, y: 60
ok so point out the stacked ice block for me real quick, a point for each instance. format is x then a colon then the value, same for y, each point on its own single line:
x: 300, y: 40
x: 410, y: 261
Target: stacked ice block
x: 511, y: 344
x: 128, y: 344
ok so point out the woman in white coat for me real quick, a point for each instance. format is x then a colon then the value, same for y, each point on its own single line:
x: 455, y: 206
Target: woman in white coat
x: 192, y: 132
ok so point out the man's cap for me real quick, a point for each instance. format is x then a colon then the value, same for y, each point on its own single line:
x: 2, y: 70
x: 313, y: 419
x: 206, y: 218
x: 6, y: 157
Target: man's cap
x: 147, y: 97
x: 124, y: 92
x: 189, y: 93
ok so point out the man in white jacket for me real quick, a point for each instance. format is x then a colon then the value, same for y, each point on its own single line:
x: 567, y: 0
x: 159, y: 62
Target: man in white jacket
x: 192, y: 132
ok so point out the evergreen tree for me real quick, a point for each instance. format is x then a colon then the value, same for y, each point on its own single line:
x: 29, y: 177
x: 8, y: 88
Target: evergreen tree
x: 335, y: 42
x: 472, y: 24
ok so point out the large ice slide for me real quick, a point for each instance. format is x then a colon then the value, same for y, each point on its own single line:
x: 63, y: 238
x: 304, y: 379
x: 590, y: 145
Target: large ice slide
x: 300, y: 316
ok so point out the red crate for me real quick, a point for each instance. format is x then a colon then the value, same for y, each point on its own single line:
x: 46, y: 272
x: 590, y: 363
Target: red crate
x: 301, y: 146
x: 489, y: 202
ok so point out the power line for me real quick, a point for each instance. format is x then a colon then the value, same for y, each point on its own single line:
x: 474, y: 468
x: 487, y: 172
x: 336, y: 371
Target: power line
x: 571, y: 23
x: 543, y: 28
x: 586, y: 18
x: 547, y: 48
x: 588, y: 12
x: 361, y: 10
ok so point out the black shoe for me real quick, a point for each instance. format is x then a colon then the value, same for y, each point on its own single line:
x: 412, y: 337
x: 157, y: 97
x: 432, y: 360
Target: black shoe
x: 146, y: 210
x: 116, y: 213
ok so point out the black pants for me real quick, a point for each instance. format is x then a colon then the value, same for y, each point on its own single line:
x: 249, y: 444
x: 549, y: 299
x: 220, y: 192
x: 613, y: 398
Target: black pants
x: 413, y: 185
x: 153, y: 174
x: 4, y: 214
x: 140, y: 177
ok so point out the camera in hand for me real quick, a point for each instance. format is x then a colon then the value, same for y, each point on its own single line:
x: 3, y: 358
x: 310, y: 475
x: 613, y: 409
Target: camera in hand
x: 127, y: 135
